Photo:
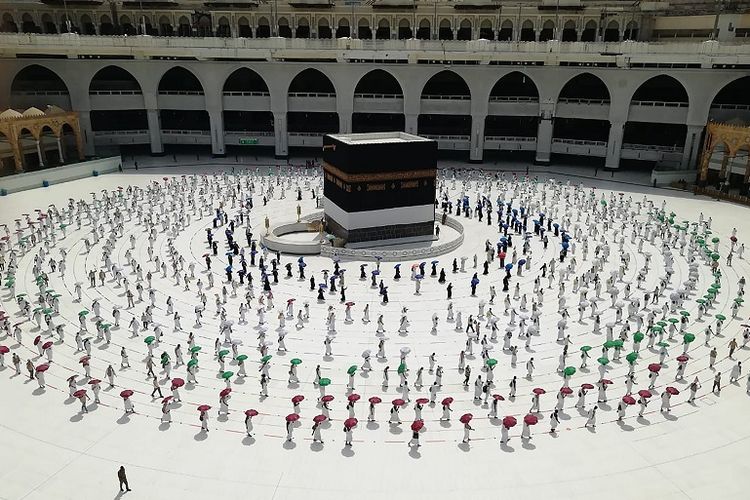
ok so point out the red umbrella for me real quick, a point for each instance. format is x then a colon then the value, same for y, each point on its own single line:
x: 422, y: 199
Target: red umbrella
x: 94, y: 381
x: 319, y: 418
x: 298, y: 399
x: 654, y: 367
x: 37, y: 339
x: 349, y: 304
x: 204, y: 408
x: 509, y: 422
x: 292, y: 417
x: 353, y: 398
x: 538, y: 391
x: 530, y: 419
x: 42, y: 368
x: 84, y: 359
x: 422, y: 401
x: 375, y: 400
x: 566, y: 390
x: 225, y: 392
x: 4, y: 349
x: 47, y: 344
x: 327, y: 398
x: 673, y: 390
x: 177, y: 382
x: 466, y: 418
x: 251, y: 413
x: 628, y: 400
x: 350, y: 422
x: 587, y: 386
x: 79, y: 393
x: 417, y: 425
x: 166, y: 400
x: 126, y: 393
x: 606, y: 381
x: 644, y: 393
x: 447, y: 401
x: 289, y: 301
x: 682, y: 358
x: 398, y: 402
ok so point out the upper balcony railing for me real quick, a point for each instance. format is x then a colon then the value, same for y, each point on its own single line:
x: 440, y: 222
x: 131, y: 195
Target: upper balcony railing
x: 552, y: 52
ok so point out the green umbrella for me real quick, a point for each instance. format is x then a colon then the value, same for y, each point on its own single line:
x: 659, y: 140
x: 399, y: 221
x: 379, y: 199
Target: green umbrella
x: 353, y: 369
x: 714, y: 240
x: 688, y: 337
x: 490, y: 362
x: 23, y: 295
x: 223, y: 353
x: 685, y: 313
x: 715, y: 256
x: 569, y: 371
x: 148, y: 340
x: 662, y: 344
x: 673, y: 320
x: 324, y: 382
x: 48, y: 310
x: 720, y: 317
x: 609, y: 344
x: 701, y: 301
x: 296, y: 361
x: 638, y: 337
x: 56, y: 295
x: 37, y: 309
x: 241, y: 357
x: 656, y: 329
x: 716, y: 285
x: 266, y: 358
x: 195, y: 348
x: 106, y: 326
x: 603, y: 361
x: 619, y: 344
x: 631, y: 357
x: 739, y: 300
x: 661, y: 323
x: 227, y: 374
x: 83, y: 313
x: 586, y: 348
x: 193, y: 362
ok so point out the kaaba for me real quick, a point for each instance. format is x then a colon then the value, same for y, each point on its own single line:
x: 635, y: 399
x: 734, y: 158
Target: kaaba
x: 379, y: 186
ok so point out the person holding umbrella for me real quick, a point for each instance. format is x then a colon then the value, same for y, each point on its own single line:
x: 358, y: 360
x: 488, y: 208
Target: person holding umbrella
x: 82, y: 397
x: 349, y: 424
x: 166, y: 416
x: 203, y: 417
x: 317, y: 438
x: 416, y: 426
x: 95, y: 384
x: 395, y: 419
x: 249, y: 414
x: 446, y: 409
x: 591, y: 420
x: 466, y: 419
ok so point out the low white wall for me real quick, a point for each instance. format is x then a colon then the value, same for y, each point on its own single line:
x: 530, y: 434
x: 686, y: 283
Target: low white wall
x: 57, y: 175
x: 666, y: 177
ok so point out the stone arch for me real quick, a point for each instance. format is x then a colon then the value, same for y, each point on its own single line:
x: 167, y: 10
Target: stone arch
x: 245, y: 80
x: 424, y: 29
x: 379, y: 81
x: 264, y: 28
x: 446, y: 82
x: 243, y: 28
x: 36, y: 77
x: 589, y: 31
x: 515, y: 84
x: 464, y: 30
x: 303, y: 28
x: 114, y: 78
x: 445, y: 30
x: 527, y: 31
x: 324, y: 28
x: 8, y: 24
x: 405, y: 29
x: 548, y: 31
x: 661, y: 88
x: 383, y: 31
x: 612, y: 31
x: 317, y: 82
x: 585, y: 86
x: 180, y: 79
x: 343, y: 29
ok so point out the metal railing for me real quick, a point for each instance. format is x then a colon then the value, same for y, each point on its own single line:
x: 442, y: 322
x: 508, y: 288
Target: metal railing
x: 185, y: 132
x: 511, y: 98
x: 39, y: 92
x: 578, y: 142
x: 660, y: 104
x: 181, y: 92
x: 119, y: 132
x: 451, y: 97
x: 581, y: 100
x: 312, y: 94
x: 115, y: 92
x: 509, y: 138
x: 653, y: 147
x: 245, y: 94
x: 378, y: 96
x: 745, y: 107
x: 446, y: 137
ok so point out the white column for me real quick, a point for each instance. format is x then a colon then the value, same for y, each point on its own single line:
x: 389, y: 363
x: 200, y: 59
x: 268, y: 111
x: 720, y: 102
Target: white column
x: 411, y: 123
x: 39, y: 152
x: 87, y: 133
x: 280, y: 134
x: 477, y: 138
x: 345, y: 121
x: 614, y: 145
x: 154, y: 131
x: 692, y: 147
x: 216, y: 117
x: 60, y: 150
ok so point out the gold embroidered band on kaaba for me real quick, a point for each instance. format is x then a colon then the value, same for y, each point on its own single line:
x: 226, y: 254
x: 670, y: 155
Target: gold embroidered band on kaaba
x: 427, y: 173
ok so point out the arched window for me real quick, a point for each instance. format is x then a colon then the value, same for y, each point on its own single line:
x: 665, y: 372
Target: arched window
x: 424, y: 32
x: 243, y: 28
x: 384, y: 30
x: 612, y: 33
x: 303, y: 28
x: 506, y: 31
x: 324, y: 29
x: 589, y: 31
x: 485, y: 30
x: 527, y: 31
x: 363, y: 29
x: 444, y: 30
x: 569, y: 33
x: 464, y: 30
x: 223, y: 30
x: 184, y: 28
x: 343, y: 30
x: 264, y: 28
x: 548, y: 31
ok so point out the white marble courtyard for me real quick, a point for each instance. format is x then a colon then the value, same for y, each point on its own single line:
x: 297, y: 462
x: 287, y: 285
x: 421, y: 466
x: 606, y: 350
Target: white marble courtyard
x: 51, y: 450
